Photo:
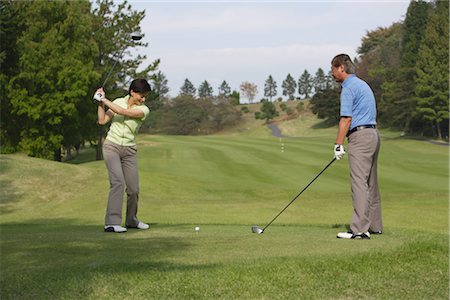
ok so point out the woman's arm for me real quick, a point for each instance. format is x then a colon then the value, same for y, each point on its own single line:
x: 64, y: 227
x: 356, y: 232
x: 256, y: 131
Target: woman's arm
x: 132, y: 113
x: 102, y: 116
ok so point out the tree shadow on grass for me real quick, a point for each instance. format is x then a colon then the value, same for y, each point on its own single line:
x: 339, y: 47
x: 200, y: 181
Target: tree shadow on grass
x: 8, y: 193
x: 42, y: 260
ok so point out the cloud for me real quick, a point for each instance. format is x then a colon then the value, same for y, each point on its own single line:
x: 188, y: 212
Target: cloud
x: 248, y: 41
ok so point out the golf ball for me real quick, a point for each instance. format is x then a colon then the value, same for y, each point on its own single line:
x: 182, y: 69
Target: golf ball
x: 197, y: 228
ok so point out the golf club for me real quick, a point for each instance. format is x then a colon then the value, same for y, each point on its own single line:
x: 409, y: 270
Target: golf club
x: 259, y: 230
x: 135, y: 37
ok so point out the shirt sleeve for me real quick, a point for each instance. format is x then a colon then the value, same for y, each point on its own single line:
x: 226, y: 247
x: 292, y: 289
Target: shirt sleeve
x: 144, y: 108
x: 346, y: 103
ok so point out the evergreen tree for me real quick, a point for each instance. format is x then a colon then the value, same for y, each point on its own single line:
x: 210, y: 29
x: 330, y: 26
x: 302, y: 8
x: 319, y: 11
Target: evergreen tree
x: 325, y: 104
x: 188, y: 89
x: 267, y: 112
x: 319, y: 81
x: 205, y: 90
x: 305, y: 84
x: 160, y: 85
x: 330, y: 82
x: 270, y: 88
x: 224, y: 89
x: 399, y: 88
x: 432, y: 85
x: 289, y: 87
x: 235, y: 98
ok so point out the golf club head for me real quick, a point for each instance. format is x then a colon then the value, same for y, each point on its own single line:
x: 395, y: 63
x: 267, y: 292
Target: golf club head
x: 136, y: 36
x: 258, y: 230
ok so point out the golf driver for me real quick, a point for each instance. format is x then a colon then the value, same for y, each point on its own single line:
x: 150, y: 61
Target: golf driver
x: 259, y: 230
x: 134, y: 37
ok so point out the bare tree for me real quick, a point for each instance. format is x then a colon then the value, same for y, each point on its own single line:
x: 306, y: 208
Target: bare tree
x: 249, y: 90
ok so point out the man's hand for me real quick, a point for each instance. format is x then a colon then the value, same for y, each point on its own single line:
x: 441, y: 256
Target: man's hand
x: 339, y: 151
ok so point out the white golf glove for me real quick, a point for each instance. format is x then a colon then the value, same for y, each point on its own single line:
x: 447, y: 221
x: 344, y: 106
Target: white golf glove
x: 98, y: 96
x: 339, y: 151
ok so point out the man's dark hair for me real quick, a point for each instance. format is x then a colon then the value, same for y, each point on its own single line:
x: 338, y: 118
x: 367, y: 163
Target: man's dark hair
x: 346, y: 61
x: 140, y: 86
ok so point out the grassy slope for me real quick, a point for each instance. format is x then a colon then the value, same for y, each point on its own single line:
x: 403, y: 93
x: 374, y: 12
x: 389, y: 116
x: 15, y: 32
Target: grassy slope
x: 52, y: 245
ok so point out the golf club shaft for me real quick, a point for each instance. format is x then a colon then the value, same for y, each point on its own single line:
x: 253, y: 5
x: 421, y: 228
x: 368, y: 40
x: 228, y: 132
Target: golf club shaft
x: 112, y: 68
x: 292, y: 201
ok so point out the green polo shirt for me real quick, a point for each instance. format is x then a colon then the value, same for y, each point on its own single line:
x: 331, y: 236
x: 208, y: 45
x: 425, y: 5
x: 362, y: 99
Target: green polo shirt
x: 123, y: 130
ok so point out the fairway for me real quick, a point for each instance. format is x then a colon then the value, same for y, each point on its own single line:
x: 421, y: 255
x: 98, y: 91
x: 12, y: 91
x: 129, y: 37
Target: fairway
x: 53, y: 246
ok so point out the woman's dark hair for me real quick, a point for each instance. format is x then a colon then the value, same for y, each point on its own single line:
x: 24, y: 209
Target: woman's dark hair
x: 344, y: 60
x: 139, y: 86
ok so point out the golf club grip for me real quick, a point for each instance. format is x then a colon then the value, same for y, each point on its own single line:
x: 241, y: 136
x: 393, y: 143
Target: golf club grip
x: 295, y: 198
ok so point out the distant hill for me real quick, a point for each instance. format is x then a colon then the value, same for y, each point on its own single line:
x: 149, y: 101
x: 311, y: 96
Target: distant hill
x: 296, y: 124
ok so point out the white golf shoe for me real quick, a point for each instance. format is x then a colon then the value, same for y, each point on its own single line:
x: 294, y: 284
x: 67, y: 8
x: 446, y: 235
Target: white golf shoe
x: 352, y: 235
x: 115, y: 228
x: 140, y: 225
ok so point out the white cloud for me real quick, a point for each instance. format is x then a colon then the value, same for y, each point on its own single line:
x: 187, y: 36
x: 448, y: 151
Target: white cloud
x: 248, y: 41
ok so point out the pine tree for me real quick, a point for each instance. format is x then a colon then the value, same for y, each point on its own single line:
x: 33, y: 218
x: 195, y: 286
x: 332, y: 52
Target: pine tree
x: 270, y: 88
x: 399, y: 100
x: 188, y: 88
x: 305, y: 84
x: 289, y: 87
x: 319, y: 82
x: 267, y: 112
x: 205, y: 90
x: 432, y: 85
x: 160, y: 86
x: 224, y: 89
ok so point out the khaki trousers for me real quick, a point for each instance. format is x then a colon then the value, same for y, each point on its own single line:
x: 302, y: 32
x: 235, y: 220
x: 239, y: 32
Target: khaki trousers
x: 121, y: 162
x: 363, y: 149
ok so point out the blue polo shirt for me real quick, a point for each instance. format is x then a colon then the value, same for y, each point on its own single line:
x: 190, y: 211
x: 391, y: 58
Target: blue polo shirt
x: 358, y: 102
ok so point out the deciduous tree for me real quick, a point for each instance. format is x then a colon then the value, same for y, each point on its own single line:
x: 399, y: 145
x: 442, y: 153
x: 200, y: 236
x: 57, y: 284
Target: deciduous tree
x: 249, y: 90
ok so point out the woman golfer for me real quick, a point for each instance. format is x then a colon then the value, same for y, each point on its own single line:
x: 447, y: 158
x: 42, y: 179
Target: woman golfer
x: 119, y: 151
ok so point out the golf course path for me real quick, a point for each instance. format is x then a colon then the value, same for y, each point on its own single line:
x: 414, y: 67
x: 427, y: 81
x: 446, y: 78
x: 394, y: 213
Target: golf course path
x: 276, y: 132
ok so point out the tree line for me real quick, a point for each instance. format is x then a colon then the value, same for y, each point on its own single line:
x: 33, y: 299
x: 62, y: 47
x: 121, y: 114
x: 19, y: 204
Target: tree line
x: 406, y: 64
x: 54, y: 54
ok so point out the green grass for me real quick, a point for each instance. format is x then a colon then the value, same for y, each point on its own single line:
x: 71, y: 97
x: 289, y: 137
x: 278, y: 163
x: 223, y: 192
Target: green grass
x: 53, y: 246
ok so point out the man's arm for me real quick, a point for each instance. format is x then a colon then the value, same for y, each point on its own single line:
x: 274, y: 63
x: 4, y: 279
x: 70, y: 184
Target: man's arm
x: 344, y: 126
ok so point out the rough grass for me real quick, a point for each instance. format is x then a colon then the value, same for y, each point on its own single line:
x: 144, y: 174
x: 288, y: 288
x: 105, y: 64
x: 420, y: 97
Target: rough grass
x: 53, y: 246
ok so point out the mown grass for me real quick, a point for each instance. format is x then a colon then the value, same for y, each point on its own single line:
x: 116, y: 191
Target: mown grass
x: 53, y: 246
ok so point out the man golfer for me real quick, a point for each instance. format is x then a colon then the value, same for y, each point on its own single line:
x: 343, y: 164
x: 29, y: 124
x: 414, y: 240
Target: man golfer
x: 358, y: 123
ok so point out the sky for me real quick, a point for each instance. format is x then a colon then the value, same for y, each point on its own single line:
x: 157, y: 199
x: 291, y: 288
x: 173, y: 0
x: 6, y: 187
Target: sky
x: 239, y: 41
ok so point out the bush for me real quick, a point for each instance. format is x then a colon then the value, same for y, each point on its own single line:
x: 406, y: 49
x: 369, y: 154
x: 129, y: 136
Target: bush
x: 245, y: 110
x: 185, y: 115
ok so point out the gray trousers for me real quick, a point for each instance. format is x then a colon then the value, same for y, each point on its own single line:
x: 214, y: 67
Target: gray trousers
x: 121, y: 162
x: 363, y: 148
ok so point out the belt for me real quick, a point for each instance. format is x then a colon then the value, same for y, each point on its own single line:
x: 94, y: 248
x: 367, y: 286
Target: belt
x: 360, y: 128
